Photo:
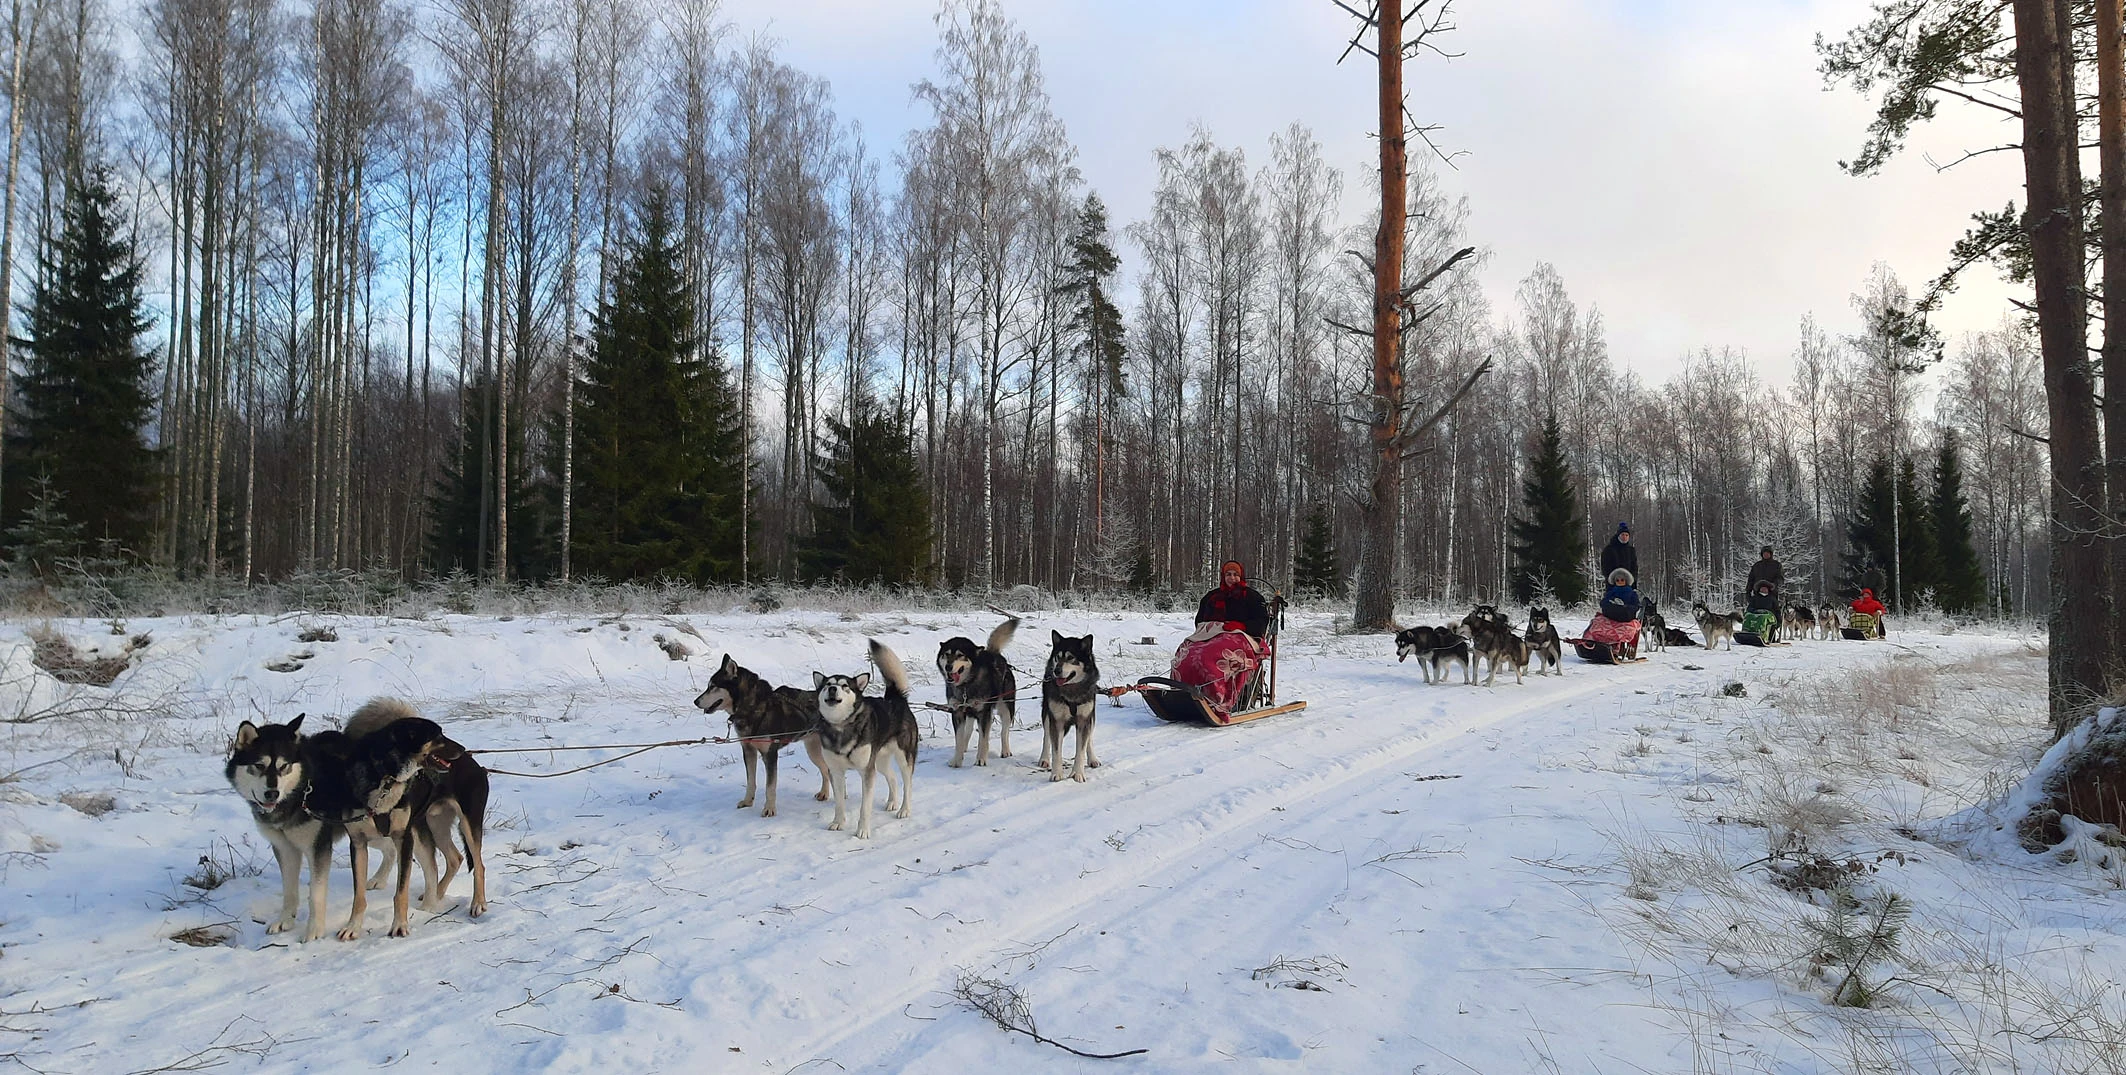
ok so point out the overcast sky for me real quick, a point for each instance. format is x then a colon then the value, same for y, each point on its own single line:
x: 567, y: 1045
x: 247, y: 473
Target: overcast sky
x: 1675, y: 159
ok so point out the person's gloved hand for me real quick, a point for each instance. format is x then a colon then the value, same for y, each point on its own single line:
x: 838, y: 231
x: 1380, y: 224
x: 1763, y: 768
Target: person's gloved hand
x: 1235, y: 625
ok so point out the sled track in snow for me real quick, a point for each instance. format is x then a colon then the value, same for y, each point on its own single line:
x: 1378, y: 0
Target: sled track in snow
x: 1159, y: 758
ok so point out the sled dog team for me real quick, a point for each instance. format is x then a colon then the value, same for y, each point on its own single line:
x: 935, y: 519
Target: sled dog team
x: 1485, y: 638
x: 392, y: 777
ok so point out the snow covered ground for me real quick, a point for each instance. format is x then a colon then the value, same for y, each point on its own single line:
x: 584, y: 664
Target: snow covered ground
x: 1570, y: 875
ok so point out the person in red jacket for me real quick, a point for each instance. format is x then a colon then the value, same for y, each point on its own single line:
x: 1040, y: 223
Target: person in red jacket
x: 1234, y: 604
x: 1866, y: 603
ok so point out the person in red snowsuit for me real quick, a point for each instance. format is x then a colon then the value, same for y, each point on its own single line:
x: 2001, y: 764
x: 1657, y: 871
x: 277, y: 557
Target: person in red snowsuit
x: 1226, y: 647
x: 1866, y: 603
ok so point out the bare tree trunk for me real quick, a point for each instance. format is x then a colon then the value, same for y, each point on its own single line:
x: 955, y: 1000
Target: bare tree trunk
x: 1374, y: 609
x: 2111, y: 155
x: 2082, y: 616
x: 22, y: 38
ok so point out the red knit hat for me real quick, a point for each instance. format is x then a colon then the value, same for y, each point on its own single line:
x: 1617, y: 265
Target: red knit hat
x: 1232, y: 565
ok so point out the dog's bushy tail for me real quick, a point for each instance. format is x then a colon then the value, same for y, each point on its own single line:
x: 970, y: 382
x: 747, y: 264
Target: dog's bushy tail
x: 376, y: 713
x: 1001, y: 637
x: 889, y: 669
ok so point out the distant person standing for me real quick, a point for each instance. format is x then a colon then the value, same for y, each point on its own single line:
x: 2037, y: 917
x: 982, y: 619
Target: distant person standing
x: 1766, y: 569
x: 1620, y: 553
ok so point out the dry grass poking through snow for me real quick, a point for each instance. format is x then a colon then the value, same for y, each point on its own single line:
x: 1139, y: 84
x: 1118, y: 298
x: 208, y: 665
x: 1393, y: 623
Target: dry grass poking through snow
x: 1831, y: 786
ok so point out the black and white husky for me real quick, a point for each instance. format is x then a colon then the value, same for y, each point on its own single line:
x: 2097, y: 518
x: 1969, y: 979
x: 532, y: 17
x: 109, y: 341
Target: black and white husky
x: 978, y: 685
x: 1717, y: 627
x: 1492, y: 641
x: 266, y: 767
x: 1069, y: 686
x: 766, y: 719
x: 1543, y: 642
x: 856, y: 732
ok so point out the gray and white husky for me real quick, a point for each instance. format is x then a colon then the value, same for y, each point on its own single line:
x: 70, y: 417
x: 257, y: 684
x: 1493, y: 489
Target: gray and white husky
x: 1070, y: 684
x: 979, y: 685
x: 767, y: 719
x: 857, y: 732
x: 1716, y: 626
x: 1492, y: 641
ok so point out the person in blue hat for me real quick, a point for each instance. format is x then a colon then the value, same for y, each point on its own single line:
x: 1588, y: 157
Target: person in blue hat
x: 1620, y: 553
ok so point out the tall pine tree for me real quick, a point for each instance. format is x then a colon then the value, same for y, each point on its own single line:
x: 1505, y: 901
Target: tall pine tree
x: 873, y: 522
x: 83, y: 391
x: 1918, y: 557
x: 660, y: 457
x: 1550, y: 537
x: 1870, y: 546
x: 1316, y: 570
x: 1962, y: 586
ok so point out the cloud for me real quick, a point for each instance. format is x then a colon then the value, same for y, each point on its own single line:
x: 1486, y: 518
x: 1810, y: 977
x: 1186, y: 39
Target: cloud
x: 1677, y: 161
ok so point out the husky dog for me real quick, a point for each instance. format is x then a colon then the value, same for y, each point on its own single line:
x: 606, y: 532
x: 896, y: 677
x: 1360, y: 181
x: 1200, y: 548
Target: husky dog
x: 1484, y: 614
x: 766, y: 719
x: 1671, y: 636
x: 1544, y: 643
x: 1421, y: 643
x: 856, y: 732
x: 1069, y: 685
x: 1716, y: 626
x: 433, y: 804
x: 978, y: 684
x: 1828, y: 621
x: 1493, y: 642
x: 361, y: 784
x: 1454, y: 652
x: 1798, y: 622
x: 1653, y: 627
x: 266, y: 767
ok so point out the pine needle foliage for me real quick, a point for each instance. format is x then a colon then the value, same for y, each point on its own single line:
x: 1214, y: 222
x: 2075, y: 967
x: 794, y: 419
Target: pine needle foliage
x: 1855, y: 936
x: 1550, y: 535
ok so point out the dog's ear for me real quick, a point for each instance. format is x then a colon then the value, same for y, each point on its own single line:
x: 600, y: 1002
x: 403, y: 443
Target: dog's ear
x: 1056, y: 638
x: 818, y: 681
x: 1087, y: 642
x: 862, y: 680
x: 729, y: 666
x: 295, y: 724
x: 246, y: 734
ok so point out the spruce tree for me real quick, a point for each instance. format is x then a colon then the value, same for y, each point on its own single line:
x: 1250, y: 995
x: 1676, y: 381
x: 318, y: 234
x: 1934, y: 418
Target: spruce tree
x: 1549, y: 538
x: 84, y: 388
x: 1962, y: 587
x: 1093, y: 316
x: 659, y: 454
x: 1870, y: 548
x: 43, y: 537
x: 1918, y: 557
x: 1317, y: 571
x: 873, y: 522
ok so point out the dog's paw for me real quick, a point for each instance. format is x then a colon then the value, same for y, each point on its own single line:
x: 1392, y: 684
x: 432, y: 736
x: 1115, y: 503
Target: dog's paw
x: 744, y: 803
x: 282, y: 925
x: 399, y: 929
x: 478, y: 908
x: 955, y: 763
x: 767, y: 812
x: 863, y: 834
x: 1004, y: 753
x: 834, y: 825
x: 348, y: 933
x: 313, y: 933
x: 819, y: 797
x: 983, y: 761
x: 435, y: 905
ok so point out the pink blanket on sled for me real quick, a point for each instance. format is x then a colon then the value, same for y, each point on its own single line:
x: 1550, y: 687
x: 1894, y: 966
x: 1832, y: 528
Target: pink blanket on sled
x: 1218, y: 664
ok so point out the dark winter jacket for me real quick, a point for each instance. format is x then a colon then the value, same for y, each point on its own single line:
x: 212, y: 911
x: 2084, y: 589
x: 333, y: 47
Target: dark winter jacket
x: 1764, y: 598
x: 1766, y: 571
x: 1621, y: 603
x: 1240, y: 604
x: 1618, y: 554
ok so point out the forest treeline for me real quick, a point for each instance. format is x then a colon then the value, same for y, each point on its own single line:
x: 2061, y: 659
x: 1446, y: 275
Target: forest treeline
x: 607, y: 289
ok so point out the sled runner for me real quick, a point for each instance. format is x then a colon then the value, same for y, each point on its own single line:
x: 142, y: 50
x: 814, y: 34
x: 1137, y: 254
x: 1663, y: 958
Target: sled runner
x: 1861, y: 627
x: 1172, y: 698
